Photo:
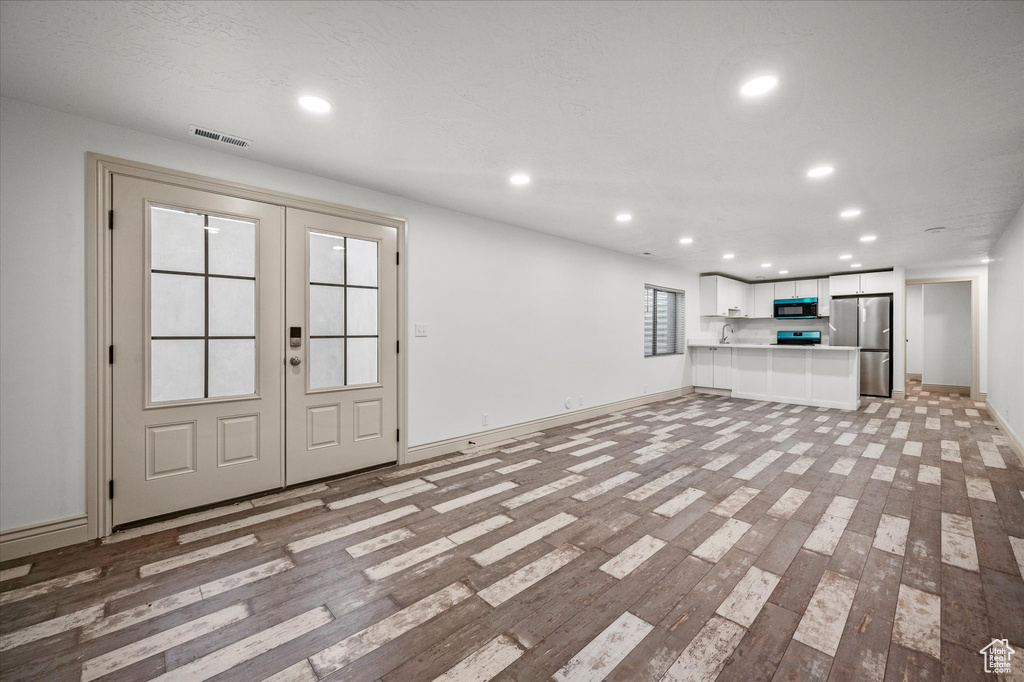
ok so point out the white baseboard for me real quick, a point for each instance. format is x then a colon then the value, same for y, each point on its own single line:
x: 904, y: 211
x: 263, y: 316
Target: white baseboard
x: 417, y: 453
x: 899, y: 395
x: 946, y: 388
x: 41, y: 537
x: 1015, y: 444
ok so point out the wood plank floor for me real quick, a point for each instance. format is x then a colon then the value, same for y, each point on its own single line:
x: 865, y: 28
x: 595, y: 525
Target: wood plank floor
x: 696, y: 539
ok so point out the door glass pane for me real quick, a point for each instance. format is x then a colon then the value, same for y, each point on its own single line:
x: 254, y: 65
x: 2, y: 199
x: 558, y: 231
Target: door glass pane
x: 362, y: 312
x: 362, y: 262
x: 232, y: 247
x: 326, y: 310
x: 177, y: 305
x: 326, y: 258
x: 177, y: 240
x: 232, y: 367
x: 177, y: 370
x: 232, y: 307
x: 218, y: 300
x: 326, y: 363
x: 362, y: 361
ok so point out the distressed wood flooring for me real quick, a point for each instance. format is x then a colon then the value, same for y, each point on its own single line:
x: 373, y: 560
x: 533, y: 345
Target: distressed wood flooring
x: 701, y: 538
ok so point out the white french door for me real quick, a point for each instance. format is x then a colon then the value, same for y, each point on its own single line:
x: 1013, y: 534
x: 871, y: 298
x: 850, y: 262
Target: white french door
x: 343, y: 356
x: 249, y: 350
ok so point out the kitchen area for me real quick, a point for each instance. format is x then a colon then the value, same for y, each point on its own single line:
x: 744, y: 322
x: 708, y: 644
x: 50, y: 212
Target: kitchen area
x: 821, y: 341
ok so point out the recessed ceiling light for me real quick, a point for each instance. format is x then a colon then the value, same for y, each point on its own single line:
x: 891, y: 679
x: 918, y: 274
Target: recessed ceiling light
x: 854, y: 265
x: 820, y: 171
x: 728, y: 256
x: 868, y: 238
x: 766, y: 265
x: 686, y: 240
x: 623, y: 217
x: 520, y: 180
x: 783, y: 272
x: 318, y: 105
x: 986, y: 260
x: 850, y: 213
x: 755, y: 87
x: 845, y: 256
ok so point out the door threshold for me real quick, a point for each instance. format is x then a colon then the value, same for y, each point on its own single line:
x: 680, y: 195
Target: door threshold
x: 243, y: 498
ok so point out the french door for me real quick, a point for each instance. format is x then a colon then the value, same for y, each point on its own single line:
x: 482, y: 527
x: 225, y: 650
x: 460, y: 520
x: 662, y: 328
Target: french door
x: 249, y: 350
x: 342, y: 402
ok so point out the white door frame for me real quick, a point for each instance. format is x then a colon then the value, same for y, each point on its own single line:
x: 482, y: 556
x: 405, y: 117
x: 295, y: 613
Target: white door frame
x: 975, y: 325
x: 99, y: 374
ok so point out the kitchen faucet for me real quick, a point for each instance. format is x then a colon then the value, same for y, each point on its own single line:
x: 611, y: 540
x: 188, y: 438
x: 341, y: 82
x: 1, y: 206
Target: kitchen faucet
x: 722, y: 339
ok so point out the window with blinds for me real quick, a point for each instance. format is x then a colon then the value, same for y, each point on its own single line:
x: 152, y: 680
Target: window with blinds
x: 664, y: 321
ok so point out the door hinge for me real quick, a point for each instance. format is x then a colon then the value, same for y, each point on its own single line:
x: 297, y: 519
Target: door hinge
x: 110, y: 488
x: 110, y: 355
x: 110, y: 219
x: 398, y: 435
x: 398, y: 258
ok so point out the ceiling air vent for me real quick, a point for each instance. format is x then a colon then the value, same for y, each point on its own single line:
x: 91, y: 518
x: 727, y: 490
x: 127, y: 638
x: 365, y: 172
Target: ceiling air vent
x: 215, y: 136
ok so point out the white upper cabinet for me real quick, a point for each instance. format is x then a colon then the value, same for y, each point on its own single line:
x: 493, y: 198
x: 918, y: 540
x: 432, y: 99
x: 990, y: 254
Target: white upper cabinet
x: 719, y: 295
x: 806, y: 288
x: 824, y: 297
x: 785, y: 290
x: 867, y: 283
x: 844, y: 285
x: 878, y: 282
x: 764, y: 300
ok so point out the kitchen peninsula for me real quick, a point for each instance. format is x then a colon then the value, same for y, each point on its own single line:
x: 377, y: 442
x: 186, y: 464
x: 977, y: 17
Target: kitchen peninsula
x: 818, y: 375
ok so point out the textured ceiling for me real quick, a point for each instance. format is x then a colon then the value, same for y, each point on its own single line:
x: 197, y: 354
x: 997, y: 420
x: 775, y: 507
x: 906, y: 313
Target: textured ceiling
x: 609, y: 106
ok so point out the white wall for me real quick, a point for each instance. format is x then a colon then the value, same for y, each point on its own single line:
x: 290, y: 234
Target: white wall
x: 915, y: 329
x: 981, y: 272
x: 947, y: 334
x: 1006, y: 340
x: 517, y: 320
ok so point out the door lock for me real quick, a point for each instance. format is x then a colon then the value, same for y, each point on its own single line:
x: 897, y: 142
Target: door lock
x: 295, y: 361
x: 295, y: 337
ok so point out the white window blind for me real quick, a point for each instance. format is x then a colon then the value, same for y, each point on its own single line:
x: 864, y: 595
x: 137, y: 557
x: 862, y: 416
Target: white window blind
x: 664, y: 321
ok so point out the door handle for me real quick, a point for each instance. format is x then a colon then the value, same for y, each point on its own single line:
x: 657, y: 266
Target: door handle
x: 295, y: 361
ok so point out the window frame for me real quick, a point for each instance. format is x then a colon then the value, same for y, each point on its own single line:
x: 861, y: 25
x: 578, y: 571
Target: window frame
x: 678, y: 300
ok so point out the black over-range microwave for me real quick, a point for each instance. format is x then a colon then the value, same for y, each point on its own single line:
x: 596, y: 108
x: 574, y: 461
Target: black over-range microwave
x: 796, y: 308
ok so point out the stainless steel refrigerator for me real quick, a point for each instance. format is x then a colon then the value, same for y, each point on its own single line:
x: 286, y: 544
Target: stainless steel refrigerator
x: 866, y: 322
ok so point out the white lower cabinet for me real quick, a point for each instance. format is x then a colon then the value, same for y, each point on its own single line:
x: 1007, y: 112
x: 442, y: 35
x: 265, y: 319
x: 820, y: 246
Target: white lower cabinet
x: 703, y: 366
x: 712, y: 367
x: 723, y: 368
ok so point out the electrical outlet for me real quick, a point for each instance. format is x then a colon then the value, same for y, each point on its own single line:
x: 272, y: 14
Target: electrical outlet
x: 580, y: 402
x: 645, y: 389
x: 420, y: 329
x: 484, y: 420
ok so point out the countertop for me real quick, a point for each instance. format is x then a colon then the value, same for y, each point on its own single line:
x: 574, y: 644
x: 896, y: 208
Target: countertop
x: 715, y: 344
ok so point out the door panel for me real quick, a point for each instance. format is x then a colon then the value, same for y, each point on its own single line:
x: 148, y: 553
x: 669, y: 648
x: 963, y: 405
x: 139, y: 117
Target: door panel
x: 874, y: 373
x: 197, y: 295
x: 874, y: 323
x: 843, y: 322
x: 342, y: 371
x: 723, y: 368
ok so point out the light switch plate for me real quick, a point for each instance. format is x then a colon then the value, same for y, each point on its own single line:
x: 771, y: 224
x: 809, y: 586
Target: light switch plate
x: 421, y: 329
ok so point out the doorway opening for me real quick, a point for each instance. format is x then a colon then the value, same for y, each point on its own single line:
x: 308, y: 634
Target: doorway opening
x: 942, y: 344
